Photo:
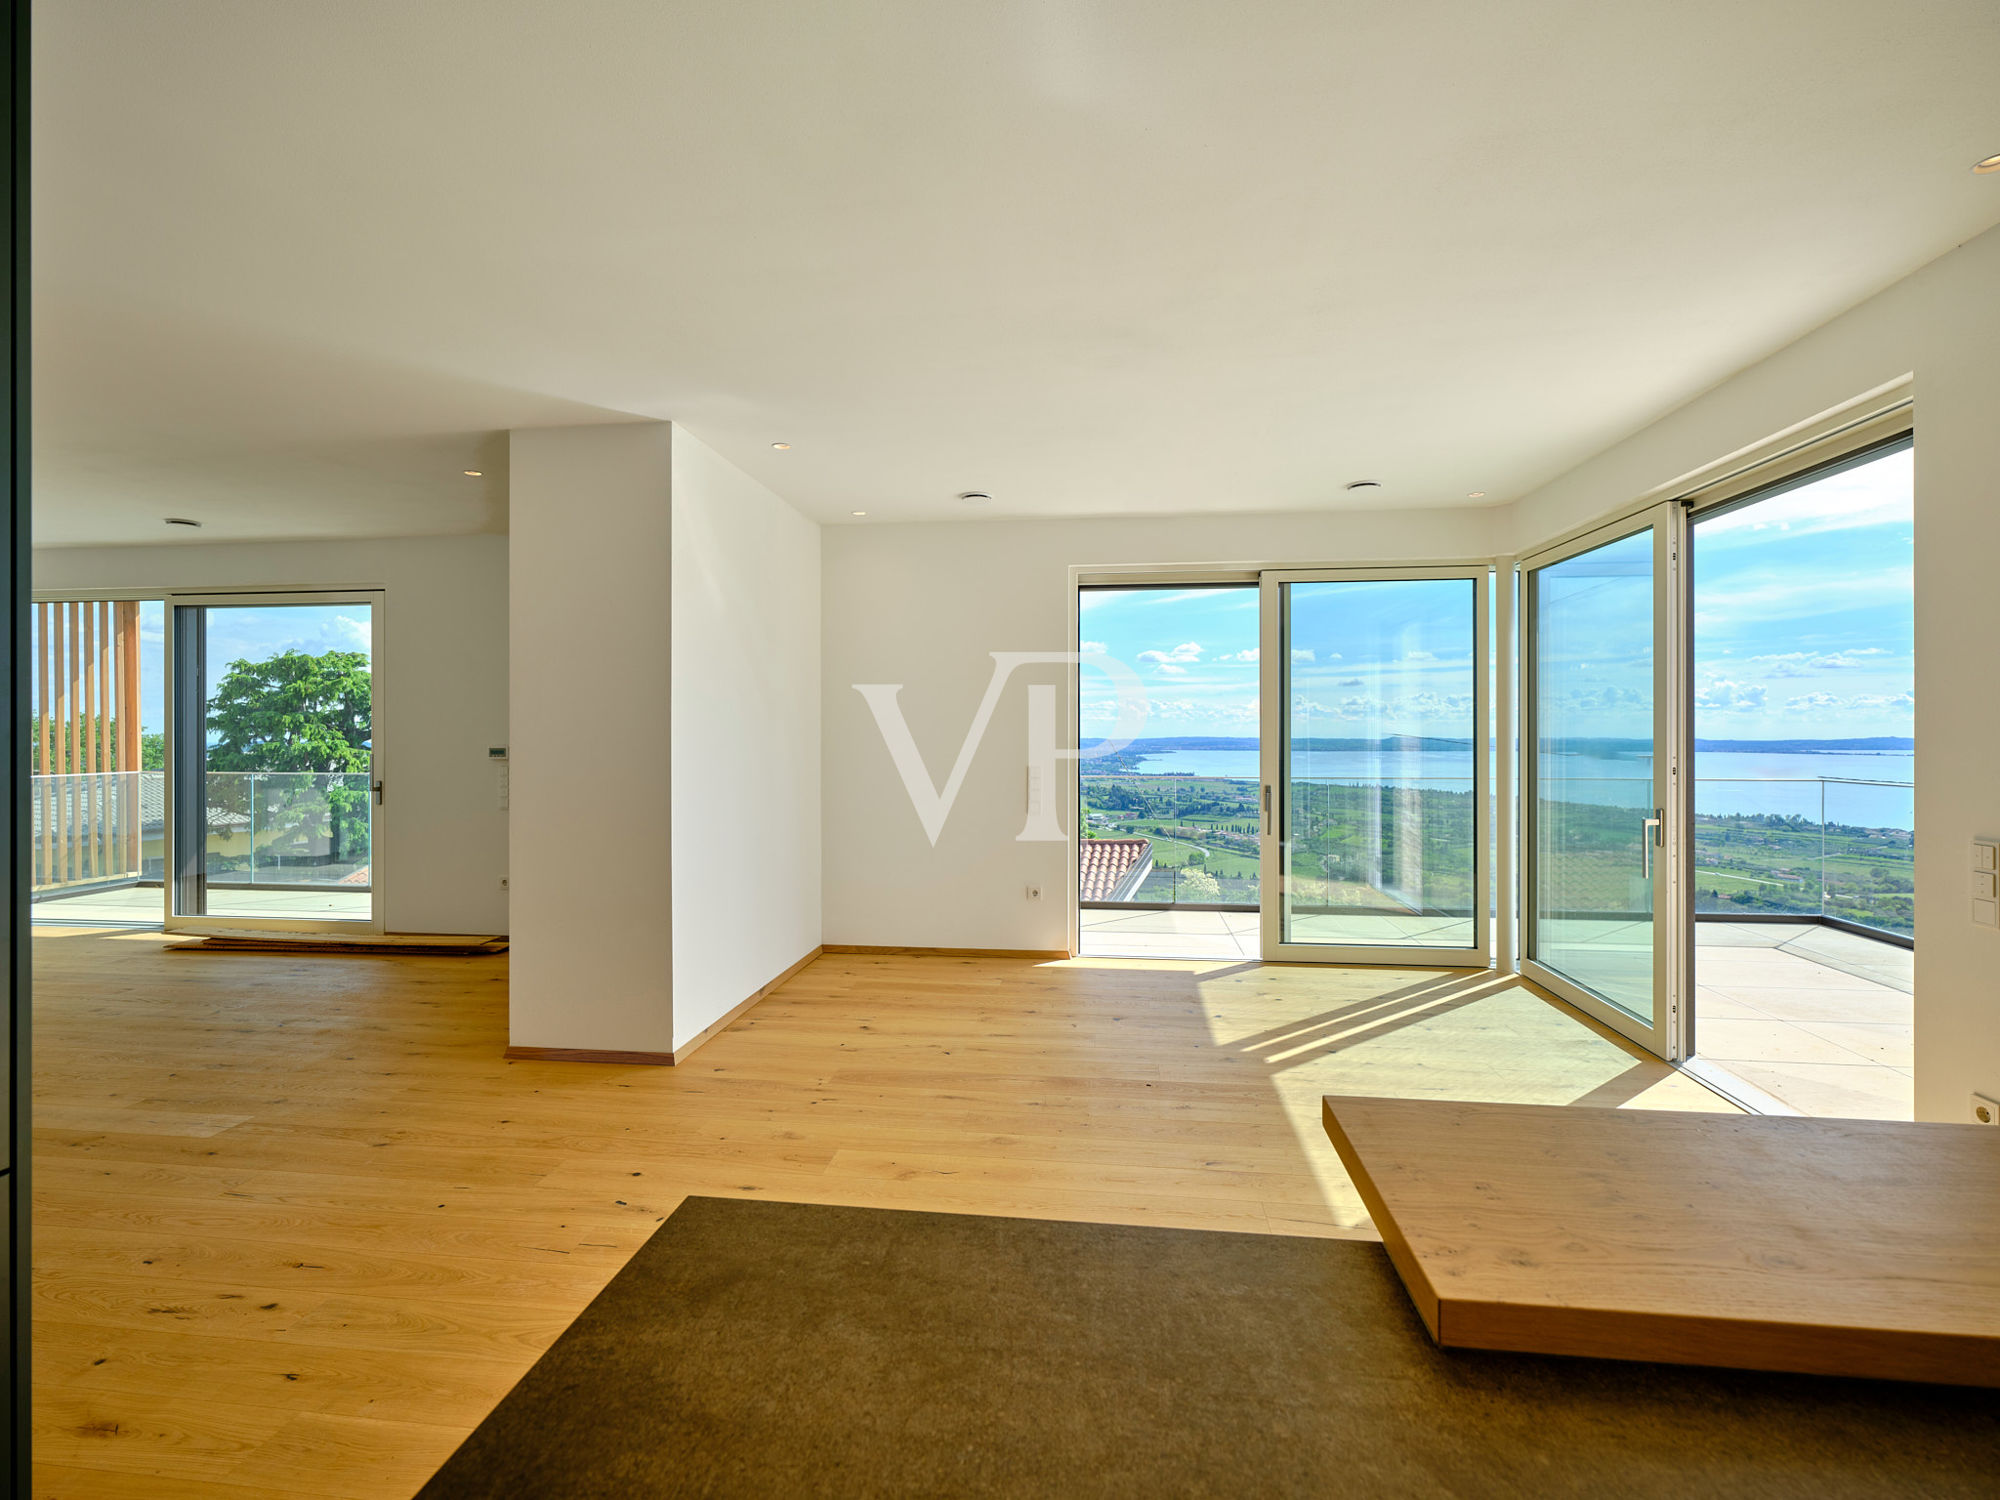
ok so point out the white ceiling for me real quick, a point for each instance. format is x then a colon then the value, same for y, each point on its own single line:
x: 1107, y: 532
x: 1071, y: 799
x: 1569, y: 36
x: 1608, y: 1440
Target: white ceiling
x: 299, y: 263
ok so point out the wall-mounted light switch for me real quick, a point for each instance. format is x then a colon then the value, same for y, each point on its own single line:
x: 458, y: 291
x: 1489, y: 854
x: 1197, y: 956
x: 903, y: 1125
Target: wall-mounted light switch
x: 1986, y: 883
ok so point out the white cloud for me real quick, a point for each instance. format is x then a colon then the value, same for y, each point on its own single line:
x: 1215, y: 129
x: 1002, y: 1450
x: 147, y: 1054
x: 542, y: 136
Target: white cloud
x: 1092, y: 648
x: 1609, y: 696
x: 1250, y: 655
x: 1190, y: 711
x: 1305, y: 653
x: 1826, y: 703
x: 1805, y: 663
x: 1187, y: 651
x: 1874, y: 494
x: 1168, y: 669
x: 1403, y: 712
x: 1420, y: 656
x: 1726, y: 697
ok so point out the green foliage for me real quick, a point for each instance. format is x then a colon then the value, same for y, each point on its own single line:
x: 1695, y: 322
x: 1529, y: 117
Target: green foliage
x: 295, y: 713
x: 1196, y: 884
x: 292, y: 712
x: 152, y: 752
x: 59, y: 763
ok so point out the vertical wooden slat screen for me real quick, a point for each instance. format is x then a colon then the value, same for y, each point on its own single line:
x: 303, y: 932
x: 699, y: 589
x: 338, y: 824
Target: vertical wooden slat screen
x: 87, y: 747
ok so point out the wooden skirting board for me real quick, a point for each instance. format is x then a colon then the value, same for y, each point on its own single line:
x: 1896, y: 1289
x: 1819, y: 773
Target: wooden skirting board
x: 680, y: 1054
x: 1041, y: 953
x: 1828, y: 1247
x: 412, y: 944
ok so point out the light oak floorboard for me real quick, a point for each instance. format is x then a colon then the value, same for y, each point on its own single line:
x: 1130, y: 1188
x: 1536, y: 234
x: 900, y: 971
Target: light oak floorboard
x: 302, y: 1224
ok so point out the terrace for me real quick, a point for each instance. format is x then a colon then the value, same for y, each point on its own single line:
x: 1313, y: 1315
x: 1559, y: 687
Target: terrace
x: 279, y: 844
x: 1804, y: 934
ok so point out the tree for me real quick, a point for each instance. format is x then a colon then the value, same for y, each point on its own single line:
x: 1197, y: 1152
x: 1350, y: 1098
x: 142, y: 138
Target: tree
x: 296, y: 713
x: 292, y: 712
x: 1197, y: 885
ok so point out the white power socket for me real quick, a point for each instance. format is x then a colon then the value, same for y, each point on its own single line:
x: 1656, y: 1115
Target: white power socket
x: 1034, y: 893
x: 1985, y: 1111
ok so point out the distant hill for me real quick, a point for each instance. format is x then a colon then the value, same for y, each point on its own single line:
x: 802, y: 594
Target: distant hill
x: 1196, y: 742
x: 1884, y: 744
x: 1881, y: 744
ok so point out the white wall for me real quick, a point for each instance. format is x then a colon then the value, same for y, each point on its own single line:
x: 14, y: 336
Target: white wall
x: 923, y: 605
x: 590, y: 566
x: 746, y: 736
x: 1942, y: 327
x: 443, y: 693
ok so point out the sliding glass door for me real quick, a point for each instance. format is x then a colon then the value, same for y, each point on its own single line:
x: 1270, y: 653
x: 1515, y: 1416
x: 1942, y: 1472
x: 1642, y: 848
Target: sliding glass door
x: 1376, y: 795
x: 273, y: 763
x: 1601, y: 752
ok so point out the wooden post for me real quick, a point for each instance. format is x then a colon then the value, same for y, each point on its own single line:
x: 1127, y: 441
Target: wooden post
x: 129, y: 753
x: 86, y: 855
x: 105, y: 782
x: 66, y: 743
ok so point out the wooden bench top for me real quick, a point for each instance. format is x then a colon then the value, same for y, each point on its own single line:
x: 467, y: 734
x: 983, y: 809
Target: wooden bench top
x: 1845, y: 1247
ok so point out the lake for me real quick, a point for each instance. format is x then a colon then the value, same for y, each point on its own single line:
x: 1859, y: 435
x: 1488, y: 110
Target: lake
x: 1726, y: 781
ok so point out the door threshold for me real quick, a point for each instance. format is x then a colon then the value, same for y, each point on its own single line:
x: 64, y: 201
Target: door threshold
x: 1738, y: 1091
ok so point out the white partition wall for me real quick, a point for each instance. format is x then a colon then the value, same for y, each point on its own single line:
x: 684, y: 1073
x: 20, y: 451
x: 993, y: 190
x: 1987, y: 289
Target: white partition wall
x: 665, y: 771
x: 746, y: 777
x: 589, y: 642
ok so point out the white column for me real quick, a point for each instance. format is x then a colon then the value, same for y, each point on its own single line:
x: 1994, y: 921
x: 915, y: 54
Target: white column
x: 589, y: 639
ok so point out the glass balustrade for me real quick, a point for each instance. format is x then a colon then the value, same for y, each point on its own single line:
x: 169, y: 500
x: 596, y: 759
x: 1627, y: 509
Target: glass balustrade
x: 266, y: 829
x: 1819, y: 846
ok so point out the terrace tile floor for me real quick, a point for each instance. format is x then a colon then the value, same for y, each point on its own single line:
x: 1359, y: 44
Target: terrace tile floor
x: 1820, y: 1021
x: 141, y: 905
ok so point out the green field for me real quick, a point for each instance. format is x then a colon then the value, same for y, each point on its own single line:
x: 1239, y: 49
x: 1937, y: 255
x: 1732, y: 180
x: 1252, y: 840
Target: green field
x: 1353, y: 843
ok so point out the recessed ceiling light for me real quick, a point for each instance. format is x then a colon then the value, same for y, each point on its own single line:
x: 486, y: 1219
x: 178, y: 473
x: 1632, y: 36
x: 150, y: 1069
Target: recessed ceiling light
x: 475, y: 473
x: 1475, y: 494
x: 181, y: 521
x: 1365, y: 484
x: 1991, y: 164
x: 975, y: 497
x: 781, y: 447
x: 857, y: 512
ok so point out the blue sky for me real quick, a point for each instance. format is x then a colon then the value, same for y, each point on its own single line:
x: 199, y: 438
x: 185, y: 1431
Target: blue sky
x: 246, y: 632
x: 1194, y: 649
x: 1803, y: 630
x: 1803, y: 618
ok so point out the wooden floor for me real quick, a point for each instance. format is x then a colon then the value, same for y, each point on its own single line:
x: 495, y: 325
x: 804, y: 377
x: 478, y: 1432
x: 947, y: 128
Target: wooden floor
x: 1827, y: 1247
x: 299, y: 1225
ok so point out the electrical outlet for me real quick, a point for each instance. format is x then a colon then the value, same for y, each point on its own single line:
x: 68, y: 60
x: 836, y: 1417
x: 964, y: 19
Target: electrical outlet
x: 1985, y: 1111
x: 503, y: 882
x: 1034, y: 893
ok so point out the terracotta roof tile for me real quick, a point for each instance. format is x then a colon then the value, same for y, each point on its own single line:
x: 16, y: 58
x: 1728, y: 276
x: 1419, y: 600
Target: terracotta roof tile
x: 1105, y: 867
